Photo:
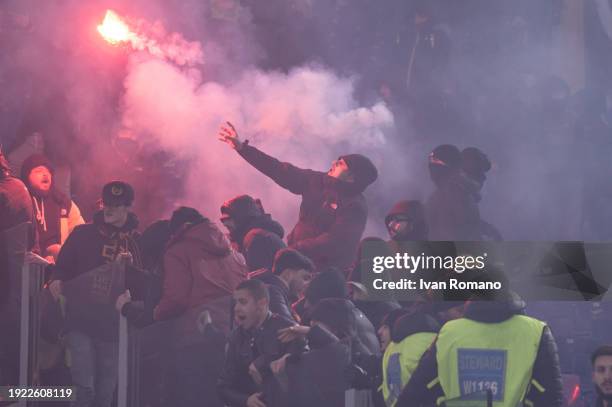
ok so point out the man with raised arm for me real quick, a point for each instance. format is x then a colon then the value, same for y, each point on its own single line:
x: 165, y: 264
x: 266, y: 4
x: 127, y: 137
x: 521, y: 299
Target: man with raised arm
x: 333, y: 210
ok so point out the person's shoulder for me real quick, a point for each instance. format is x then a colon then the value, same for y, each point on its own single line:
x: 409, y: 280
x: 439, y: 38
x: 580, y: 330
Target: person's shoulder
x: 278, y: 322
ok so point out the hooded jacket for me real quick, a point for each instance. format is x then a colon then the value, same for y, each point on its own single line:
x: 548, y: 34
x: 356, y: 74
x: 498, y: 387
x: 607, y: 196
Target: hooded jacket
x: 201, y: 271
x: 546, y: 369
x: 90, y: 288
x: 248, y: 215
x: 333, y: 213
x: 416, y: 212
x: 56, y: 214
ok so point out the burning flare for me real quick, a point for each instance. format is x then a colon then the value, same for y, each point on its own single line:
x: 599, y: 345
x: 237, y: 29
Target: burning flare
x: 113, y: 29
x: 143, y: 36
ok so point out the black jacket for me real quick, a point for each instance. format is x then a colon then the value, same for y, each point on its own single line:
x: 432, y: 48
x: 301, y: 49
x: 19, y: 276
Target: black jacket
x: 546, y: 368
x: 90, y: 300
x: 452, y: 211
x: 319, y: 377
x: 366, y: 333
x: 259, y: 347
x: 333, y: 213
x: 279, y: 293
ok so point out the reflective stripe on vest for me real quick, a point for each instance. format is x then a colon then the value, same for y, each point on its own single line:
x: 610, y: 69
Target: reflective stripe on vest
x: 474, y: 357
x: 399, y: 362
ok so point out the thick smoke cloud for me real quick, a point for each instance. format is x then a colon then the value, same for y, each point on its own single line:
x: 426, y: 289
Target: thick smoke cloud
x: 305, y: 117
x: 90, y: 92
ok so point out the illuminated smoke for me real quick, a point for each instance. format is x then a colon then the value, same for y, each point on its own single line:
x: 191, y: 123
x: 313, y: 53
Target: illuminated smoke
x: 307, y: 117
x: 152, y: 38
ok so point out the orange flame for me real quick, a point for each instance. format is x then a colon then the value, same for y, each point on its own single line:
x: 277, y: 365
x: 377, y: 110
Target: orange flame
x: 113, y: 29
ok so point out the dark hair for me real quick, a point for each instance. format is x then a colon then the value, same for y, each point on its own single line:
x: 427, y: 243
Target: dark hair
x: 184, y: 215
x: 603, y: 350
x: 291, y: 258
x: 256, y: 288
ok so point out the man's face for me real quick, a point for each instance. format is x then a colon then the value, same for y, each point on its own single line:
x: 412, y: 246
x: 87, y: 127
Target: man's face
x: 115, y: 215
x: 228, y: 222
x: 384, y: 334
x: 602, y: 375
x: 40, y: 179
x: 248, y: 311
x: 297, y: 280
x: 340, y: 170
x: 398, y: 227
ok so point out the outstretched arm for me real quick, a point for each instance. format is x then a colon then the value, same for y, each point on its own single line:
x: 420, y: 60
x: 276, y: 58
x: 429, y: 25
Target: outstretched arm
x: 286, y: 175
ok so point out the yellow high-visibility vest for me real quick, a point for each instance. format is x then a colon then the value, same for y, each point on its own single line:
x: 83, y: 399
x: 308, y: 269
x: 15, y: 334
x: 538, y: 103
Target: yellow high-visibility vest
x: 399, y: 362
x: 474, y: 357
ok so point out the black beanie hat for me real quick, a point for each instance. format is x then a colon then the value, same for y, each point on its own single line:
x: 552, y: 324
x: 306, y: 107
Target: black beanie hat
x: 291, y: 258
x: 326, y: 284
x: 33, y: 161
x: 363, y: 170
x: 117, y: 193
x: 260, y: 247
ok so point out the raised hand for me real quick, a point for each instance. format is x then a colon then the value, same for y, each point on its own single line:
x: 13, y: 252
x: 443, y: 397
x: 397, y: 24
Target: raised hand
x: 229, y: 135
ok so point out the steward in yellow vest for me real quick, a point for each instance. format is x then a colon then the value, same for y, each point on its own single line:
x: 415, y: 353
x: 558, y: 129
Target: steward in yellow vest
x: 411, y: 336
x: 493, y: 347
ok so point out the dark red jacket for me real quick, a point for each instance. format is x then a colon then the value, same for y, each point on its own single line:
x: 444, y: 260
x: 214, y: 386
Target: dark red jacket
x: 200, y: 270
x: 333, y: 213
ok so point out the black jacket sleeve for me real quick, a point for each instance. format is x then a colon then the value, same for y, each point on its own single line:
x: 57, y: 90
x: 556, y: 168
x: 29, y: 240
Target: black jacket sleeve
x: 226, y: 384
x: 286, y: 175
x: 278, y: 303
x: 416, y: 393
x: 547, y: 374
x: 66, y: 266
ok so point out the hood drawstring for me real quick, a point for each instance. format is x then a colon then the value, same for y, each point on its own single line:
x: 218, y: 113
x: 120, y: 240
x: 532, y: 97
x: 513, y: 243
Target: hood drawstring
x: 40, y: 213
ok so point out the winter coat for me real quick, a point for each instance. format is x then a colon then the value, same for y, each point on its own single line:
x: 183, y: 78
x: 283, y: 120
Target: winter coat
x: 280, y: 303
x: 332, y: 215
x: 259, y: 346
x: 546, y: 369
x: 319, y: 377
x: 452, y: 211
x: 93, y: 279
x: 365, y: 332
x: 201, y: 271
